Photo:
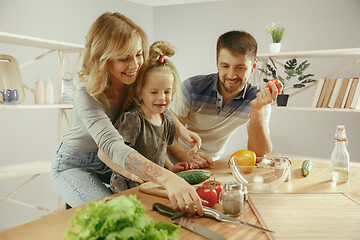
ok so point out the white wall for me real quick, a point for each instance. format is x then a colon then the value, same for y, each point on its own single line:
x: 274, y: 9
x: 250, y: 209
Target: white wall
x: 310, y: 25
x: 30, y: 135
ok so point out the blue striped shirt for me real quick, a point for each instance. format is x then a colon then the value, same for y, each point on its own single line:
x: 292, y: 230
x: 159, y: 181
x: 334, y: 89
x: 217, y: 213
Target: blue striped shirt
x: 205, y: 115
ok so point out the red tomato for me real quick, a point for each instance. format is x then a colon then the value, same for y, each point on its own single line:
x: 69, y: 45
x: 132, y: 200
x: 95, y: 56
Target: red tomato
x: 207, y: 193
x: 216, y: 185
x: 278, y: 84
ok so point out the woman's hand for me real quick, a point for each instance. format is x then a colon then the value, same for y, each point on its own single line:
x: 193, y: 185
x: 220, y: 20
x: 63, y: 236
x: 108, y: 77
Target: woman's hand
x: 181, y: 194
x: 183, y: 197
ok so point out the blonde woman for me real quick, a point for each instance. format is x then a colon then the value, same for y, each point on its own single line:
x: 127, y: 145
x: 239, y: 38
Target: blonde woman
x: 115, y: 51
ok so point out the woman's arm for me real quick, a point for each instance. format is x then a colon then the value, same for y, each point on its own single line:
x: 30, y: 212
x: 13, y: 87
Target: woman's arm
x: 183, y: 197
x: 103, y: 157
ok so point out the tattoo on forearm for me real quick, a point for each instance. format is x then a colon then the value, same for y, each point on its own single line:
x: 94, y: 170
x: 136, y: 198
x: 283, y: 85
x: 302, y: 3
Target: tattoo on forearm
x: 146, y: 170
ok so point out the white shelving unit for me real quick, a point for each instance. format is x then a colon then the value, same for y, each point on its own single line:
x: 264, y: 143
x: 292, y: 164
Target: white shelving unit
x: 346, y: 52
x: 34, y: 169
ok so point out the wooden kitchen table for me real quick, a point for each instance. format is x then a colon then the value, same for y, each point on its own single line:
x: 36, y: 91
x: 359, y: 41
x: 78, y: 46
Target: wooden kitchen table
x: 318, y: 181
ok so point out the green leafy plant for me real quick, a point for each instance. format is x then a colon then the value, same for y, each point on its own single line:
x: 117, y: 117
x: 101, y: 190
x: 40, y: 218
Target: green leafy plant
x: 277, y: 33
x: 120, y: 218
x: 292, y: 70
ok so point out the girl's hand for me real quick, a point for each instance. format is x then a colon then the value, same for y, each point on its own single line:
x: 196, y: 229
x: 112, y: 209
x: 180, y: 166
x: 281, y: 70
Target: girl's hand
x: 192, y: 138
x: 182, y: 166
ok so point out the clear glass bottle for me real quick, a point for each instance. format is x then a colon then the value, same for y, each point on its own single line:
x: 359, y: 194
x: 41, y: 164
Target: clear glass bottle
x: 68, y: 88
x: 340, y: 156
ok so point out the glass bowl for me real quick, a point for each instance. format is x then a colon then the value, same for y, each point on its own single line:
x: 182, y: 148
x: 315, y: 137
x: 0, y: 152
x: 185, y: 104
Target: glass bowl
x: 264, y: 177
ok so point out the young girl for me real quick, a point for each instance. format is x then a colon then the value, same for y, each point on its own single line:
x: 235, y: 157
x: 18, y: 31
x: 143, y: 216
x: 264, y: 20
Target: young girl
x: 115, y: 51
x: 148, y: 128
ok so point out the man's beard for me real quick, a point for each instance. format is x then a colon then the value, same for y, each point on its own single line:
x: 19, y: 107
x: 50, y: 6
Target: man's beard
x: 232, y: 90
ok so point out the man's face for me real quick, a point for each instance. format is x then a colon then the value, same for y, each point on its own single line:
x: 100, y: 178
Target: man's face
x: 234, y: 71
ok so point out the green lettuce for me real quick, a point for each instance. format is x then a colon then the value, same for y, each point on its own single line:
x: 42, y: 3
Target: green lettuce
x: 121, y: 218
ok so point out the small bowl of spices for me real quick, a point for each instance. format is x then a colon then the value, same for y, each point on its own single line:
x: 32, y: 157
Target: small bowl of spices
x: 233, y: 198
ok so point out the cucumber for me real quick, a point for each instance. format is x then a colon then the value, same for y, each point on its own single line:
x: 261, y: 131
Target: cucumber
x: 194, y: 176
x: 306, y: 167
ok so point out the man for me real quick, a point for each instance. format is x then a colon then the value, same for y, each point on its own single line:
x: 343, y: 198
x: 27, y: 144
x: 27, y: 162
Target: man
x: 216, y: 105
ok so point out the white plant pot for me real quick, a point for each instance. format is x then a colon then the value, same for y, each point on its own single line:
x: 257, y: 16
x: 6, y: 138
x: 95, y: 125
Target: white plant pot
x: 275, y: 47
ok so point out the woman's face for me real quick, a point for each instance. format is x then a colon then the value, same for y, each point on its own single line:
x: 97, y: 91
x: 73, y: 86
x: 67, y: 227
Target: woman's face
x: 125, y: 68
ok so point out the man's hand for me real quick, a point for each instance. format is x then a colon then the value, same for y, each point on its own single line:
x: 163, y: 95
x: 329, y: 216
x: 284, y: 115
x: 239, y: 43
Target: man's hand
x: 265, y: 97
x: 201, y: 160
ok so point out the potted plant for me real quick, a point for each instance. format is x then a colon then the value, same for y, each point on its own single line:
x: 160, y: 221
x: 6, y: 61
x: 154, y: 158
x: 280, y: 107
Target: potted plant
x: 277, y: 33
x: 295, y: 77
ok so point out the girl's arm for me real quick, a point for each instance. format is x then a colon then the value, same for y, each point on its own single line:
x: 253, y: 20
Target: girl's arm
x: 168, y: 164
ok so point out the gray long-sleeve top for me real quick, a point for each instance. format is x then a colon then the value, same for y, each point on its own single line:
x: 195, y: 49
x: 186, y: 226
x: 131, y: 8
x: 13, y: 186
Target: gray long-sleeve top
x: 92, y: 128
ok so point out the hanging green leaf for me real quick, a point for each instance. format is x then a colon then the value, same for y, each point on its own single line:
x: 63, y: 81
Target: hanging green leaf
x: 290, y: 73
x: 291, y: 64
x: 302, y: 67
x: 308, y: 81
x: 305, y: 76
x: 298, y: 85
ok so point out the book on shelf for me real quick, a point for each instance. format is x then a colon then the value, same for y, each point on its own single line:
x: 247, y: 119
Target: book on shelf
x: 358, y: 104
x: 355, y: 100
x: 352, y: 90
x: 319, y: 86
x: 346, y: 93
x: 322, y: 93
x: 335, y: 92
x: 328, y: 93
x: 341, y: 93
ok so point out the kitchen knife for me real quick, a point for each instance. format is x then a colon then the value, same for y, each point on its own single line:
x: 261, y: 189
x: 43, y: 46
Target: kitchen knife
x: 178, y: 218
x: 212, y: 213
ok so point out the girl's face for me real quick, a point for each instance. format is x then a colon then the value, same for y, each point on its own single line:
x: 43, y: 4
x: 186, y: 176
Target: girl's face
x: 156, y: 95
x: 125, y: 68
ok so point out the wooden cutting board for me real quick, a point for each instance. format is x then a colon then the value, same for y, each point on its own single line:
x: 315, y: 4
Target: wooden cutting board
x: 312, y: 216
x: 153, y: 189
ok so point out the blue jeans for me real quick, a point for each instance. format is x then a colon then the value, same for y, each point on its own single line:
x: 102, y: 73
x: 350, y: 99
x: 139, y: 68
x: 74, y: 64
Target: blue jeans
x: 78, y: 176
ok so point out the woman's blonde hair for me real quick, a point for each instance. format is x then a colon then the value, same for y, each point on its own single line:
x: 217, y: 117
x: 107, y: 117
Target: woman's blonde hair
x: 110, y: 36
x: 157, y: 62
